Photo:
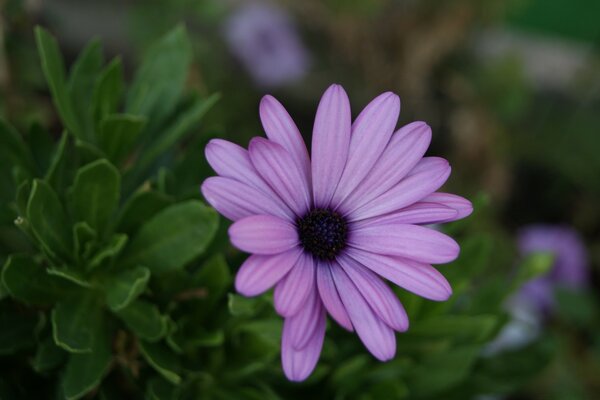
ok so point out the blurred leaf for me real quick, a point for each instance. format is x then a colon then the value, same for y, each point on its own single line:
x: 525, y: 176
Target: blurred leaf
x: 162, y: 360
x: 576, y: 306
x: 478, y: 328
x: 40, y: 143
x: 28, y: 282
x: 17, y: 331
x: 118, y: 133
x: 242, y: 306
x: 54, y: 71
x: 140, y: 207
x: 109, y: 251
x: 108, y: 90
x: 173, y: 237
x: 533, y: 266
x: 75, y: 323
x: 48, y: 220
x: 95, y: 194
x: 47, y: 356
x: 54, y: 174
x: 13, y: 150
x: 126, y: 286
x: 144, y: 319
x: 213, y: 276
x: 159, y: 389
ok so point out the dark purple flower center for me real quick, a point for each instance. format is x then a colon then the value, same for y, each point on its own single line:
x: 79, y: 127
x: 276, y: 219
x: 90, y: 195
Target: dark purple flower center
x: 323, y: 233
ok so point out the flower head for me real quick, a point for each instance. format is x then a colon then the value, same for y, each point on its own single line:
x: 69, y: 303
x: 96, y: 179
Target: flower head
x: 264, y: 39
x: 324, y: 230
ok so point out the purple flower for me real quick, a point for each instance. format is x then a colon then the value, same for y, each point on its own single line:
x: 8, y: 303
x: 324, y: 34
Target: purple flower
x: 324, y: 230
x: 263, y: 38
x: 570, y: 268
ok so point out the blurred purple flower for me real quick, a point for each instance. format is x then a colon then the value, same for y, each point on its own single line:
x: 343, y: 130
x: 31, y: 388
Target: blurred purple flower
x: 570, y: 268
x: 264, y: 39
x: 326, y: 230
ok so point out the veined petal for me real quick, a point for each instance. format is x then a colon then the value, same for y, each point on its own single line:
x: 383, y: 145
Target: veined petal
x: 405, y: 240
x: 419, y: 213
x: 377, y: 294
x: 377, y: 337
x: 330, y: 143
x: 463, y: 207
x: 259, y: 273
x: 236, y: 200
x: 371, y: 132
x: 291, y: 293
x: 429, y: 174
x: 277, y: 167
x: 420, y: 278
x: 303, y: 324
x: 299, y: 363
x: 403, y: 152
x: 330, y: 296
x: 263, y: 234
x: 280, y: 128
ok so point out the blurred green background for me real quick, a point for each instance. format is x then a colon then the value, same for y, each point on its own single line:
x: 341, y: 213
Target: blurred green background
x: 511, y: 89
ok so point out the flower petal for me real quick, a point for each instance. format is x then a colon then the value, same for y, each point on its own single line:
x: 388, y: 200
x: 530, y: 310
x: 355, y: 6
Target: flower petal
x: 330, y: 143
x: 419, y: 278
x: 236, y: 200
x: 463, y: 207
x: 419, y: 213
x: 403, y: 152
x: 259, y: 273
x: 299, y: 363
x: 303, y: 324
x: 280, y: 128
x: 277, y: 167
x: 405, y: 240
x: 263, y: 234
x: 429, y: 174
x: 379, y: 295
x: 330, y: 296
x: 377, y: 337
x: 292, y: 292
x: 371, y: 132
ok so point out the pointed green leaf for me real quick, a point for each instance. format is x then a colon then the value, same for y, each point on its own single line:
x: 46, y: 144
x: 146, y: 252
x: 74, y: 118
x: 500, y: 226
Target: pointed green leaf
x: 54, y: 71
x: 28, y: 282
x: 71, y: 275
x: 48, y: 356
x: 13, y: 150
x: 140, y: 207
x: 48, y: 220
x: 162, y: 360
x: 75, y: 322
x: 95, y: 194
x: 125, y: 287
x: 118, y: 133
x: 109, y: 252
x: 108, y: 90
x: 173, y: 237
x: 54, y: 175
x: 83, y: 236
x: 144, y: 320
x: 41, y: 143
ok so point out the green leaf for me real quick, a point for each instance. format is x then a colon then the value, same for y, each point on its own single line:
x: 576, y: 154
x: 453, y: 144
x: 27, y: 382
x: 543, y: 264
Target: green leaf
x: 242, y: 306
x: 108, y: 90
x: 144, y: 319
x: 71, y: 275
x: 160, y: 80
x: 159, y: 389
x: 17, y: 331
x: 54, y: 71
x: 13, y: 150
x: 48, y: 220
x: 75, y: 323
x: 477, y: 328
x: 577, y: 306
x: 84, y: 372
x: 174, y: 237
x: 118, y: 133
x: 140, y: 207
x: 83, y: 237
x: 162, y: 360
x: 109, y: 252
x: 48, y: 356
x: 125, y: 287
x: 41, y: 143
x: 84, y: 74
x: 54, y: 174
x: 28, y: 282
x: 214, y: 277
x: 533, y: 266
x: 95, y: 194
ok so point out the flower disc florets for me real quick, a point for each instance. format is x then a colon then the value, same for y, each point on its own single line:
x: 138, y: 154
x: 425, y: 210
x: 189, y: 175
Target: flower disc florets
x: 323, y: 233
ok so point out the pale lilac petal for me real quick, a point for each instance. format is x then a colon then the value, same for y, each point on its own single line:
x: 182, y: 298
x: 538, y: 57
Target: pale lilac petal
x: 277, y: 167
x: 236, y: 200
x: 419, y: 213
x: 330, y: 296
x: 330, y: 143
x: 260, y: 273
x: 371, y: 132
x: 377, y: 337
x: 404, y: 151
x: 263, y: 234
x: 420, y: 278
x: 463, y: 207
x: 429, y: 174
x: 377, y: 294
x: 299, y: 363
x: 303, y: 324
x: 280, y: 128
x: 404, y: 240
x: 291, y: 293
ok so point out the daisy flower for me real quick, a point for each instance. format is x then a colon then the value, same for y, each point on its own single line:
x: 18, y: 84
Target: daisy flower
x: 327, y: 230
